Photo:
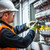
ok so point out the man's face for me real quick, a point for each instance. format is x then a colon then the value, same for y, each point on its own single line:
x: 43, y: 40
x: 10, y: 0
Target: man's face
x: 11, y: 17
x: 8, y: 17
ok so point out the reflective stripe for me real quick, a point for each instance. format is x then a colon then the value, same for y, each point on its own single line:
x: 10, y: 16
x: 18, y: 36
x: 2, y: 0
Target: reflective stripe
x: 8, y: 49
x: 4, y: 26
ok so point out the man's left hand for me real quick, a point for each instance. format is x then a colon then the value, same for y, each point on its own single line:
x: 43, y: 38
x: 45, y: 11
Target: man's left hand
x: 28, y: 25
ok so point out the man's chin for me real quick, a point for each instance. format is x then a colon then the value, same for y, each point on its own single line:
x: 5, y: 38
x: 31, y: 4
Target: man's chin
x: 11, y: 21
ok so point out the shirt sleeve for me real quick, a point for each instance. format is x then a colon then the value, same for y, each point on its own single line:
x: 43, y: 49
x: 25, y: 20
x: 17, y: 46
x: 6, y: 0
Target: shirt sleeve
x: 20, y: 29
x: 14, y: 41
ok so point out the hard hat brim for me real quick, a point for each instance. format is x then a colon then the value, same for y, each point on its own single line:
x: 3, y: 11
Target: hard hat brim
x: 9, y: 10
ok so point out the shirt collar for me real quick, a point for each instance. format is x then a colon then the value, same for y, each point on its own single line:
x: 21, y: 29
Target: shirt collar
x: 2, y: 22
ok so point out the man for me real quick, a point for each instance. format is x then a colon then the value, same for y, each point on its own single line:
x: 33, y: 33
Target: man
x: 9, y: 35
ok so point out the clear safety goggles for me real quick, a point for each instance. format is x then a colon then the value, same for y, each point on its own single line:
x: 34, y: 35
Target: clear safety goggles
x: 10, y: 12
x: 13, y: 13
x: 1, y: 14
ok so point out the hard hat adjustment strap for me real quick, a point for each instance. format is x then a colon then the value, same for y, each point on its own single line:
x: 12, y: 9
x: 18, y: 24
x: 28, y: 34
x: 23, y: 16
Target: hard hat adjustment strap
x: 1, y: 14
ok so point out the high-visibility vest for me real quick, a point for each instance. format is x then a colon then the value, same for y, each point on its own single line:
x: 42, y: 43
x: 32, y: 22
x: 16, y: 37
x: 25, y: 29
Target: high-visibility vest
x: 4, y: 26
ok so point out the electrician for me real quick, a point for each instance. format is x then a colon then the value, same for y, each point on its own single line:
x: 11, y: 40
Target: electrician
x: 8, y: 34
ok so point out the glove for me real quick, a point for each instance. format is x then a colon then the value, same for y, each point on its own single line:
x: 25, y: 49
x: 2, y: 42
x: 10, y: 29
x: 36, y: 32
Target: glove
x: 34, y: 26
x: 28, y: 25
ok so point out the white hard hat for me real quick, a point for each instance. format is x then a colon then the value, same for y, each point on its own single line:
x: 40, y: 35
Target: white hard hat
x: 7, y: 5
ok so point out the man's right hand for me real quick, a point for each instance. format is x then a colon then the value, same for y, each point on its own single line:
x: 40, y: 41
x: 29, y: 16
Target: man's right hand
x: 34, y: 26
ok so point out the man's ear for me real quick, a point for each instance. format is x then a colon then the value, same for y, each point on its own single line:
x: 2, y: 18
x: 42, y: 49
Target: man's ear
x: 6, y: 15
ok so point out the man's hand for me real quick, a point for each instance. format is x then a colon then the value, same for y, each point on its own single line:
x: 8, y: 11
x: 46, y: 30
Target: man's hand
x: 34, y: 26
x: 28, y: 25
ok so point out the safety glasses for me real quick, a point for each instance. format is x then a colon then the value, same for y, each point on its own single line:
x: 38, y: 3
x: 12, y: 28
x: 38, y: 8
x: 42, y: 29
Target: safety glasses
x: 10, y: 12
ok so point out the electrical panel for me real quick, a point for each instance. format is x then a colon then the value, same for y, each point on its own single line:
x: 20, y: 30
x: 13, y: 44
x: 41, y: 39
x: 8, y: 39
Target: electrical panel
x: 43, y: 16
